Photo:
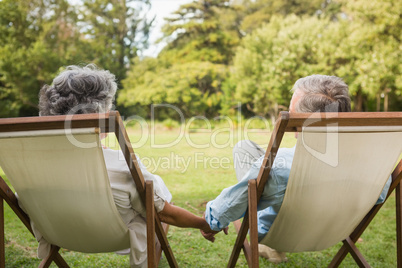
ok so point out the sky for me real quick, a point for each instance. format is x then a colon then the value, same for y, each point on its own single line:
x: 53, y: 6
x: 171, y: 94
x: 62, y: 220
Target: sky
x: 162, y: 9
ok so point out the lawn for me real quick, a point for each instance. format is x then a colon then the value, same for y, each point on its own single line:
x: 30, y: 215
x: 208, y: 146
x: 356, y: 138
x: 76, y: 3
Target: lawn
x: 196, y: 167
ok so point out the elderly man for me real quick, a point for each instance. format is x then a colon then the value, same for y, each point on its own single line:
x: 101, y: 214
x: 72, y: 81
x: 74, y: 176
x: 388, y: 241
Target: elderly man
x: 316, y: 93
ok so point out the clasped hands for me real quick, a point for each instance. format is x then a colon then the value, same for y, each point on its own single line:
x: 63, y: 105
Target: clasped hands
x: 209, y: 234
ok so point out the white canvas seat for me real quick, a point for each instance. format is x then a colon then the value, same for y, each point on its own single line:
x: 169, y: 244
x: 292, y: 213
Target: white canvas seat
x: 47, y: 170
x: 329, y: 192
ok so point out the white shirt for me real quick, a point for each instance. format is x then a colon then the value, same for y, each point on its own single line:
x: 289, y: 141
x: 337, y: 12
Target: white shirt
x: 129, y: 204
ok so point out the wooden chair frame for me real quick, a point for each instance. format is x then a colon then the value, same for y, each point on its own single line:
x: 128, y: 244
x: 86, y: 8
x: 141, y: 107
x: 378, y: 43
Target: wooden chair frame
x: 293, y: 122
x: 108, y: 122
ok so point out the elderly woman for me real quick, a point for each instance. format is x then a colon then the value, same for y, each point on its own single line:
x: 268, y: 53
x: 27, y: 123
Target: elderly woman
x: 90, y: 90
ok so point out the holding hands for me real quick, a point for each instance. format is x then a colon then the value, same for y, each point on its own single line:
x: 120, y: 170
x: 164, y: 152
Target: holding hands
x: 209, y: 234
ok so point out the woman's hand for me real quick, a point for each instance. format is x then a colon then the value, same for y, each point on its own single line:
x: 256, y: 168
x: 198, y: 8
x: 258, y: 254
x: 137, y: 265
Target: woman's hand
x: 208, y: 233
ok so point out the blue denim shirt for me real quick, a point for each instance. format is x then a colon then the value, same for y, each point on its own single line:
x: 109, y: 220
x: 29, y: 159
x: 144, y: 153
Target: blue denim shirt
x: 231, y: 204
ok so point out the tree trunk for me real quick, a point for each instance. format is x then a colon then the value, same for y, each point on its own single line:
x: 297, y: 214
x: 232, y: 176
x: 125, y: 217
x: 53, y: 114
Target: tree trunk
x: 358, y: 101
x: 378, y: 102
x: 386, y: 102
x: 273, y: 118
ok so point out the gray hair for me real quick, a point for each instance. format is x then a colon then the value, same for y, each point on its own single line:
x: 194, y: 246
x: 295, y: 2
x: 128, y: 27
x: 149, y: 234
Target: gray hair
x: 322, y: 93
x: 78, y: 90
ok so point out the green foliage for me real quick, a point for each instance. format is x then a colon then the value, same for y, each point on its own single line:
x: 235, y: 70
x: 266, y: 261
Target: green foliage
x: 115, y: 30
x: 374, y: 36
x: 170, y: 123
x: 38, y: 37
x: 201, y: 38
x: 259, y: 12
x: 364, y: 53
x: 203, y: 30
x: 218, y: 53
x: 273, y: 57
x: 193, y: 87
x: 34, y: 42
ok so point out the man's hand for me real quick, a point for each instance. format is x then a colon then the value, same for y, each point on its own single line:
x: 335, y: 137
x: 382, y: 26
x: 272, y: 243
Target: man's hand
x: 209, y: 234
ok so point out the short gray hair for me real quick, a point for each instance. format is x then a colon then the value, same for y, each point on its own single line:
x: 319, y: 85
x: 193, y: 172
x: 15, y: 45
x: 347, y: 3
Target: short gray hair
x: 78, y: 90
x: 322, y: 93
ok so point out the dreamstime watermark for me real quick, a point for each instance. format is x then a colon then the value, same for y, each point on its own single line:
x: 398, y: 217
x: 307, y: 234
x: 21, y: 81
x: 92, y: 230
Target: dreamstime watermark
x: 324, y: 146
x: 232, y: 129
x: 200, y: 160
x: 182, y: 163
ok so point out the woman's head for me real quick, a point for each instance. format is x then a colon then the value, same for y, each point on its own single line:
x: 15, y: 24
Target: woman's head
x: 78, y: 90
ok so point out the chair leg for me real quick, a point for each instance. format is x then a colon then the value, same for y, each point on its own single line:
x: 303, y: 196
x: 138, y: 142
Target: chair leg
x: 158, y: 247
x: 154, y: 248
x: 149, y: 197
x: 60, y: 262
x: 241, y: 237
x: 164, y: 243
x: 398, y: 201
x: 161, y: 230
x: 250, y: 219
x: 252, y: 204
x: 7, y: 194
x: 52, y: 256
x: 345, y: 249
x: 338, y: 258
x: 2, y: 237
x: 354, y: 251
x: 246, y: 245
x: 128, y: 152
x: 396, y: 179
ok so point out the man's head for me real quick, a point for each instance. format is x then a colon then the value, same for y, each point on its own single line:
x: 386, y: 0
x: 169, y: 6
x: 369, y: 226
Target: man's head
x: 78, y: 90
x: 320, y: 93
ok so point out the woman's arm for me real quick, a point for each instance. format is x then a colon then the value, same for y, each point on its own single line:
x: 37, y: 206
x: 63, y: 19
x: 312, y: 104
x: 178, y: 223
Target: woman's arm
x: 180, y: 217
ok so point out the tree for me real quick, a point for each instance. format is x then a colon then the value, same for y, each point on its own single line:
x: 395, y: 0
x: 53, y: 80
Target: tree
x: 193, y: 87
x: 189, y: 71
x: 115, y: 31
x: 203, y: 30
x: 36, y: 38
x: 375, y: 32
x: 366, y: 55
x: 273, y: 57
x: 260, y: 12
x: 354, y: 40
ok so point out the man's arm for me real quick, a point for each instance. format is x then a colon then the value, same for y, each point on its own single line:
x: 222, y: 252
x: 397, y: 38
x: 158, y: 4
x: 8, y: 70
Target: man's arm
x: 229, y: 206
x: 384, y: 191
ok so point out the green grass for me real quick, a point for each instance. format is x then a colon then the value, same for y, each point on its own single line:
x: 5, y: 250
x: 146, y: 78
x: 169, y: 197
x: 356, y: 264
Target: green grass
x: 191, y: 189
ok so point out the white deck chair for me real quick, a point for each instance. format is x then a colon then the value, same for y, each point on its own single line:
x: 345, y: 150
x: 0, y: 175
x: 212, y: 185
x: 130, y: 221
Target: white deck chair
x: 63, y: 185
x: 341, y: 164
